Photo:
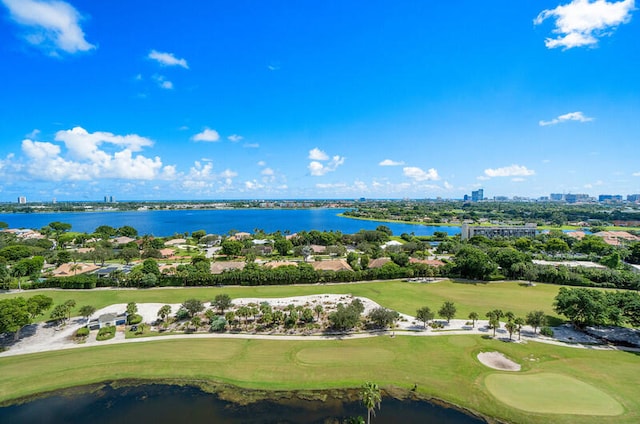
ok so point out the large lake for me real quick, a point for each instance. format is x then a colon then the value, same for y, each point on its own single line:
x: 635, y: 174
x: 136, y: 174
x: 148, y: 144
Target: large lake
x: 161, y: 404
x: 219, y: 221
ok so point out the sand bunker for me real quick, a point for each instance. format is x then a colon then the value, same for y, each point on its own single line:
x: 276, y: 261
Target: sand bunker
x: 498, y: 361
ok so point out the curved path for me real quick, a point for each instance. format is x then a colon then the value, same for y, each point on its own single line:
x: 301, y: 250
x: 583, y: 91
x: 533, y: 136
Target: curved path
x: 44, y: 337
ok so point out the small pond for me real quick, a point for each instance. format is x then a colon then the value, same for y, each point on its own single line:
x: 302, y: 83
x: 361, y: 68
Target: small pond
x: 157, y: 403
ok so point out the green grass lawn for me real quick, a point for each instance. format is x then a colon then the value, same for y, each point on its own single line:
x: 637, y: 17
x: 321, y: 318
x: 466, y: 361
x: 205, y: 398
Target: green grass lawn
x: 445, y: 367
x: 401, y: 296
x: 551, y: 393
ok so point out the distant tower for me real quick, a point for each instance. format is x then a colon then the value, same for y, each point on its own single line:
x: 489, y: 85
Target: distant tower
x: 477, y: 195
x: 22, y: 200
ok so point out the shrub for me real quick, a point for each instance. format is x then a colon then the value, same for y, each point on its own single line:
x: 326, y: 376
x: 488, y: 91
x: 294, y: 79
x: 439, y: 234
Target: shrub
x: 218, y: 324
x: 134, y: 319
x: 546, y: 331
x: 182, y: 314
x: 82, y: 332
x: 106, y: 333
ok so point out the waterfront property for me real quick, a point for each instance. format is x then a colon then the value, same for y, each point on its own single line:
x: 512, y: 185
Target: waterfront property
x: 467, y: 231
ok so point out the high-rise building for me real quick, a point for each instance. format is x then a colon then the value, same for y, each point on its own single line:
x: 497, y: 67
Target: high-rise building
x: 610, y: 198
x: 556, y: 197
x: 576, y: 198
x: 633, y: 198
x: 22, y: 200
x: 477, y: 195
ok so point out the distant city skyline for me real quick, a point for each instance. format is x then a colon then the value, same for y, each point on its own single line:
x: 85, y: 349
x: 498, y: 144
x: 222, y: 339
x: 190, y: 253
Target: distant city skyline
x: 196, y: 100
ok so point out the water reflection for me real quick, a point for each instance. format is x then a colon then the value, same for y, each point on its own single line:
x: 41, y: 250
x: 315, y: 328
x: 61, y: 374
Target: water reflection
x: 171, y: 404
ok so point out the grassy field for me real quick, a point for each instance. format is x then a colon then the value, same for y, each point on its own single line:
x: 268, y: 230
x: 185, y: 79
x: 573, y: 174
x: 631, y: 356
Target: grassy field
x: 552, y: 394
x: 401, y: 296
x: 445, y: 367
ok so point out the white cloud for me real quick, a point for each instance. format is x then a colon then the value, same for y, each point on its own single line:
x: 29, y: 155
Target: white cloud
x: 85, y: 160
x: 318, y: 169
x: 163, y: 82
x: 582, y: 22
x: 389, y: 162
x: 33, y: 134
x: 52, y: 25
x: 417, y: 174
x: 167, y: 59
x: 40, y: 150
x: 571, y: 116
x: 251, y: 145
x: 447, y: 185
x: 234, y: 138
x: 267, y: 171
x: 208, y: 135
x: 262, y: 163
x: 317, y: 154
x: 636, y: 174
x: 517, y: 179
x: 509, y: 171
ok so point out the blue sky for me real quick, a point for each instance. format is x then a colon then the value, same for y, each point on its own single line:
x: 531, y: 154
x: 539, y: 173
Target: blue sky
x: 280, y: 99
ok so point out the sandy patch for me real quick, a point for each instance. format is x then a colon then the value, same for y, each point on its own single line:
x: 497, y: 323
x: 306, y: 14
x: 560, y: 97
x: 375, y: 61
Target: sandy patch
x: 498, y: 361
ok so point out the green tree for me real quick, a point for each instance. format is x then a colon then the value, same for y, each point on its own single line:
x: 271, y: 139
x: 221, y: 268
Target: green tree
x: 447, y: 311
x: 519, y: 322
x: 582, y: 306
x: 58, y: 228
x: 473, y: 316
x: 536, y: 319
x: 164, y: 312
x: 494, y: 320
x: 197, y: 235
x: 611, y: 261
x: 556, y: 245
x: 127, y: 231
x: 383, y: 318
x: 231, y: 247
x: 132, y: 308
x: 69, y: 304
x: 221, y: 302
x: 128, y: 254
x: 37, y: 304
x: 283, y: 246
x: 105, y: 232
x: 14, y: 315
x: 371, y: 398
x: 318, y: 309
x: 150, y: 266
x: 472, y: 262
x: 59, y: 313
x: 86, y: 311
x: 425, y: 315
x: 511, y: 328
x: 193, y: 306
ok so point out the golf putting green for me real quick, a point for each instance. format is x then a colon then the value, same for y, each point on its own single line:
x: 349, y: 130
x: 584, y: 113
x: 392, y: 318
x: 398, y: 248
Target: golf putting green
x: 548, y: 393
x: 334, y: 355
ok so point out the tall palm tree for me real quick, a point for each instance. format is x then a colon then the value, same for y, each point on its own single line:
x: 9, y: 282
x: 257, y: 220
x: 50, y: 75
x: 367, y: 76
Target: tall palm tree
x: 371, y: 398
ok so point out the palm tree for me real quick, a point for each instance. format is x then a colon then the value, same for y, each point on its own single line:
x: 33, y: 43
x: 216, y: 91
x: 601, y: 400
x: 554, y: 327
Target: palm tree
x: 75, y: 268
x: 371, y: 398
x: 473, y: 316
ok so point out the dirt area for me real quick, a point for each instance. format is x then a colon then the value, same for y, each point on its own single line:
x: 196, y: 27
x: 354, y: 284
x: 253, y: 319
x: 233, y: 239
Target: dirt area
x: 498, y: 361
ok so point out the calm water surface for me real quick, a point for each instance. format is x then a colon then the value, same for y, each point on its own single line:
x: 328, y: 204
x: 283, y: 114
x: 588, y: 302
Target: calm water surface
x: 160, y: 404
x: 166, y: 223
